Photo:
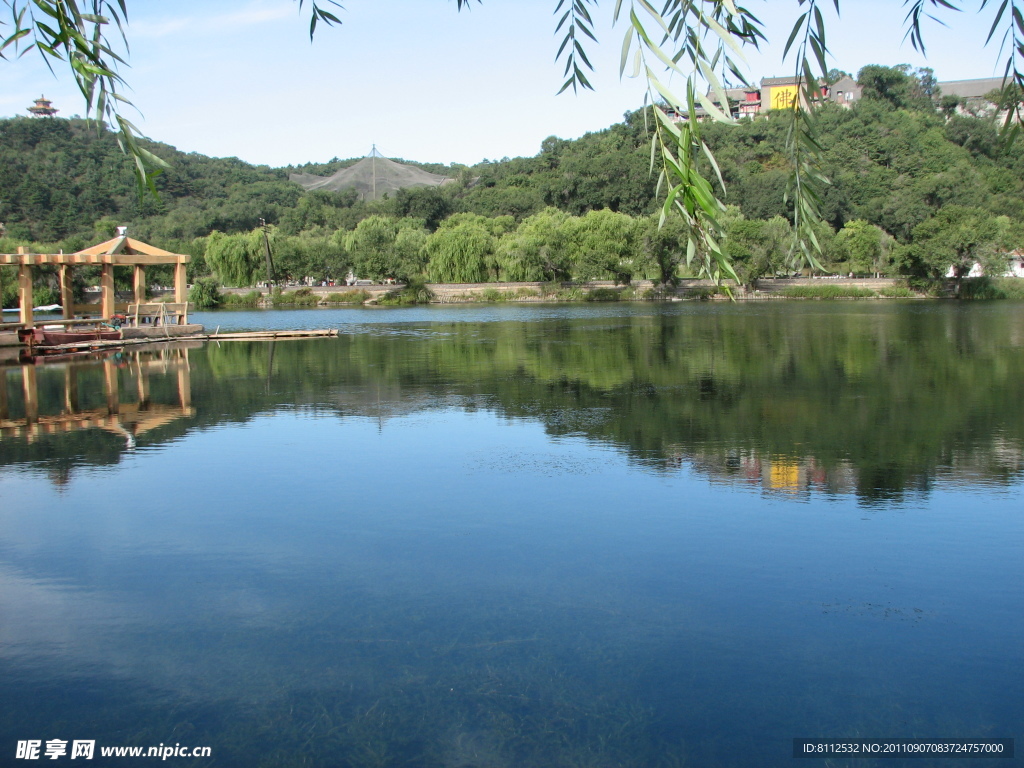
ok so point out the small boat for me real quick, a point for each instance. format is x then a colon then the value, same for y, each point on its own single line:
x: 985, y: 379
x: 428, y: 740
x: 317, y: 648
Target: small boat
x: 54, y: 336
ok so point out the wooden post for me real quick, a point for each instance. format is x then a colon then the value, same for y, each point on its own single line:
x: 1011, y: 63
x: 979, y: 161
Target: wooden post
x: 30, y: 387
x: 25, y: 293
x: 107, y: 291
x: 110, y: 387
x: 143, y: 384
x: 180, y: 283
x: 67, y: 297
x: 140, y: 284
x: 4, y: 410
x: 185, y: 384
x: 71, y: 389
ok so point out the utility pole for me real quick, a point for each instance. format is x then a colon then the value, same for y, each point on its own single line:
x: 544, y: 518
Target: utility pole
x: 373, y: 163
x: 266, y: 251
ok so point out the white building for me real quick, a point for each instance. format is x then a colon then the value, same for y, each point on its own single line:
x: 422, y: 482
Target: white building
x: 1014, y: 269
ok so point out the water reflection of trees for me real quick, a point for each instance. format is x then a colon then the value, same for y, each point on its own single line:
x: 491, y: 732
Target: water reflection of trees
x: 876, y: 400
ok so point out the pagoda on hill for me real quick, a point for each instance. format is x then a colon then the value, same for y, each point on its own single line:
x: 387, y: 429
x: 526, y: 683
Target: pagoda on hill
x: 42, y: 108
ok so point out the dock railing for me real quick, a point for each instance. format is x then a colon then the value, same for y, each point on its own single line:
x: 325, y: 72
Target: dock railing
x: 157, y: 314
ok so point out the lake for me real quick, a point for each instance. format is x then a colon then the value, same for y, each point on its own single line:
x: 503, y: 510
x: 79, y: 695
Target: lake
x: 521, y: 535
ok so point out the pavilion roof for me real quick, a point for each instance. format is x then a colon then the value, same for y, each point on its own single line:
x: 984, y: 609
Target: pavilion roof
x: 125, y: 245
x: 118, y: 250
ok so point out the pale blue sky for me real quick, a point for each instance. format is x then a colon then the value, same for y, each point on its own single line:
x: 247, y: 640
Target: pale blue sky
x: 420, y: 80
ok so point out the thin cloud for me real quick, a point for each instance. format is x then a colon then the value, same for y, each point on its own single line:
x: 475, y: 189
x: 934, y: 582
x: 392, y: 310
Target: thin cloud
x: 156, y: 28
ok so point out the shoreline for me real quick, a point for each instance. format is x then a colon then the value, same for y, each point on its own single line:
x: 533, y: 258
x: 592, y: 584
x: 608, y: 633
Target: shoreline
x: 770, y: 289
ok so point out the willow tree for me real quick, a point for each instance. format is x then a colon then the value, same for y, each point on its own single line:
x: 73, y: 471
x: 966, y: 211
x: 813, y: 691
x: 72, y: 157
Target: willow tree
x: 664, y: 247
x: 462, y: 250
x: 537, y: 249
x: 605, y: 244
x: 696, y: 43
x: 235, y: 259
x: 384, y: 247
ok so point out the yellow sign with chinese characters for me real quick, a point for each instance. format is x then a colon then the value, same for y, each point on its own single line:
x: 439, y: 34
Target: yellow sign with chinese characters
x: 784, y: 96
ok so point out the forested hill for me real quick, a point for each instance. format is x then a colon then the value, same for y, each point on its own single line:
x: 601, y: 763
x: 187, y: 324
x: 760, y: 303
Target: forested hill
x: 61, y: 178
x: 891, y: 166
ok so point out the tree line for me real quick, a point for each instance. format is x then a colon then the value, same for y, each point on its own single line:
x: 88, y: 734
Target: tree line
x: 550, y: 245
x: 919, y: 186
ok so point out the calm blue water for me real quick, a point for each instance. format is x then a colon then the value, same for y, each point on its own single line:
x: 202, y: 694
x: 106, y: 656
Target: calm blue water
x: 623, y: 535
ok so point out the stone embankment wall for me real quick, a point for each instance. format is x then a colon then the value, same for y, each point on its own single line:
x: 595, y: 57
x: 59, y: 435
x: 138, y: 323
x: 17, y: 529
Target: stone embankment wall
x: 373, y: 290
x: 460, y: 292
x: 451, y: 292
x: 771, y: 285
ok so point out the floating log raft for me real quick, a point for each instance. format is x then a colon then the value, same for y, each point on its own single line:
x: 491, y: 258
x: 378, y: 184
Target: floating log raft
x: 238, y: 336
x: 268, y: 335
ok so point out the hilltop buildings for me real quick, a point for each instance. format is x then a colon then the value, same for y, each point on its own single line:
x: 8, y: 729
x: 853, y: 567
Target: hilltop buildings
x: 42, y: 108
x: 780, y: 92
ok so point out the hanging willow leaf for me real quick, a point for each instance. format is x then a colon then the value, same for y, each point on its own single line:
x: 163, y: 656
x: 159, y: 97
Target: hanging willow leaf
x: 579, y: 23
x: 319, y: 14
x: 1011, y: 98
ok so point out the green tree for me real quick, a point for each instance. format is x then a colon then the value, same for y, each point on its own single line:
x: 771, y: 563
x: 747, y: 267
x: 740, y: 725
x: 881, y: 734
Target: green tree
x: 954, y: 240
x: 371, y: 247
x: 537, y: 249
x: 949, y: 105
x: 461, y: 250
x: 382, y: 247
x: 205, y: 294
x: 605, y: 244
x: 235, y: 259
x: 901, y: 86
x: 664, y: 247
x: 410, y: 251
x: 320, y: 256
x: 868, y: 248
x: 757, y: 248
x: 430, y: 204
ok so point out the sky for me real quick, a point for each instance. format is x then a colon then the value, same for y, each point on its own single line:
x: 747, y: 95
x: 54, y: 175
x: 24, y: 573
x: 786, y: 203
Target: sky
x: 421, y: 81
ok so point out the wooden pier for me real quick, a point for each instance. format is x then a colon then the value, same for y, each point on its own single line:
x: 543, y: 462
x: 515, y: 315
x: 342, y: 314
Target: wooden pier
x: 156, y: 336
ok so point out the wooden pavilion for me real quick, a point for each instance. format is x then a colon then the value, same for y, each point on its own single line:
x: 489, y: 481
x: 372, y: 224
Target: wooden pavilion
x: 118, y: 251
